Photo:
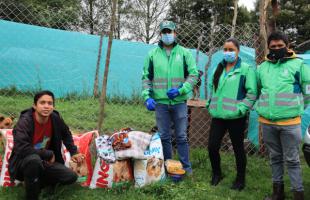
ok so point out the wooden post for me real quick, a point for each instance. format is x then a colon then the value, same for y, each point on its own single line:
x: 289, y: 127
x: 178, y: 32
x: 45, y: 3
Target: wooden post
x: 106, y: 69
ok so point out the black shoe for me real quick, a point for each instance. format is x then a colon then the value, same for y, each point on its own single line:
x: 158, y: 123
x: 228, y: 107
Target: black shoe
x: 278, y: 192
x: 216, y: 179
x: 238, y: 185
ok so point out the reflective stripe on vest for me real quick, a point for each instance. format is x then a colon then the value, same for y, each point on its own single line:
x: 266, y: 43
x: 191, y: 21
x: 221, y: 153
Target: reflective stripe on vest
x: 231, y: 108
x: 251, y: 96
x: 213, y: 103
x: 192, y: 79
x: 146, y: 84
x: 287, y: 96
x: 263, y: 104
x: 287, y: 103
x: 263, y: 96
x: 247, y: 102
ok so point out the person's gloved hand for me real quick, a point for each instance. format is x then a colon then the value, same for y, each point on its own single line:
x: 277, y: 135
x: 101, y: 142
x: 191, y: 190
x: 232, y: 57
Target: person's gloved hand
x: 150, y: 104
x: 173, y: 93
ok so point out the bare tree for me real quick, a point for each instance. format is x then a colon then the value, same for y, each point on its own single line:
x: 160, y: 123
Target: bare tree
x: 96, y: 15
x: 143, y: 18
x: 234, y: 18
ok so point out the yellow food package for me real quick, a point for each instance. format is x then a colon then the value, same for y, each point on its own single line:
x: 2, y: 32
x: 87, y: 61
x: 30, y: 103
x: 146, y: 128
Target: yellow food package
x: 174, y: 167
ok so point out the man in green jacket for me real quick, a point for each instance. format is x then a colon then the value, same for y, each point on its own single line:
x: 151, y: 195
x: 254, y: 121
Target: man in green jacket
x: 169, y: 75
x: 284, y: 87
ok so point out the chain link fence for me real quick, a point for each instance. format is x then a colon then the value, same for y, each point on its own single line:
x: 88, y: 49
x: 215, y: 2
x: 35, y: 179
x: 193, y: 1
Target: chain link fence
x: 29, y: 54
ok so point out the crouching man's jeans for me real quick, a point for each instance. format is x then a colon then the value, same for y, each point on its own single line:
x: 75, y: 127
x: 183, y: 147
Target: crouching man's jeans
x: 282, y: 143
x: 176, y: 114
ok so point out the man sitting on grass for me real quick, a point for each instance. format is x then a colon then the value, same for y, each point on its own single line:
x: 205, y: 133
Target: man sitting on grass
x: 36, y: 157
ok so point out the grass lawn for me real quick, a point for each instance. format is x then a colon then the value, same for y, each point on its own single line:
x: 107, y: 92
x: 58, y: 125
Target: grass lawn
x: 197, y: 187
x: 81, y: 114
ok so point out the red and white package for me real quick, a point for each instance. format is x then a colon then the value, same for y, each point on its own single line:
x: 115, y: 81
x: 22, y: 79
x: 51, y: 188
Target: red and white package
x: 7, y: 142
x: 85, y: 169
x: 118, y: 174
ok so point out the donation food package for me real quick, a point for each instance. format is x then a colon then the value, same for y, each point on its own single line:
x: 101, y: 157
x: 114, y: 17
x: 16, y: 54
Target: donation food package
x: 139, y: 143
x: 104, y: 148
x: 118, y: 174
x: 174, y: 167
x: 6, y: 146
x: 84, y: 169
x: 151, y: 169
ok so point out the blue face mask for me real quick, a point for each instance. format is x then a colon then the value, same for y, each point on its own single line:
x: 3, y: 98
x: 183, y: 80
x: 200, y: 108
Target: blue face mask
x: 230, y: 56
x: 167, y: 38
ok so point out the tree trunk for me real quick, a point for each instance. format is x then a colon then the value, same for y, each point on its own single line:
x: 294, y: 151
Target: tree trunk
x: 148, y: 21
x: 91, y: 17
x: 272, y: 22
x: 233, y: 29
x: 261, y: 49
x: 210, y: 52
x: 98, y: 66
x: 106, y: 70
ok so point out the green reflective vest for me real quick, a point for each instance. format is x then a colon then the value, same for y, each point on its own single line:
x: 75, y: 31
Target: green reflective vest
x: 236, y: 92
x: 284, y: 88
x: 161, y: 73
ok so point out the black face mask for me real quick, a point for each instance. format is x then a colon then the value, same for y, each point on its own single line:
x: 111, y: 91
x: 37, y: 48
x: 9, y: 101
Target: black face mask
x: 278, y: 53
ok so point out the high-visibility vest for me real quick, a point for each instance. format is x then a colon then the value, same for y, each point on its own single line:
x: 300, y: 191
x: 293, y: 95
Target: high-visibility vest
x: 236, y: 92
x: 284, y: 88
x: 161, y: 73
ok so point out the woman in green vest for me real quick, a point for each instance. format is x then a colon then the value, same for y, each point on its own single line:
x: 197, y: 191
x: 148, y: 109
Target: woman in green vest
x: 233, y: 91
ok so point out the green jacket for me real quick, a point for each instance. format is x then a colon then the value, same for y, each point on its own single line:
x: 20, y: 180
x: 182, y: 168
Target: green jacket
x: 236, y: 92
x: 161, y: 73
x: 284, y: 88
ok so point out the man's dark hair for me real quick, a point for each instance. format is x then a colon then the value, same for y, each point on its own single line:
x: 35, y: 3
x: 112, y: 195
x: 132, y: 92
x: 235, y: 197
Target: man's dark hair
x: 277, y: 36
x: 38, y: 95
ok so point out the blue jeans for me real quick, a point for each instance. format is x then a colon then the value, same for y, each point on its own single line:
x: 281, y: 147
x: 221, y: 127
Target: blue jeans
x: 176, y: 114
x: 282, y: 143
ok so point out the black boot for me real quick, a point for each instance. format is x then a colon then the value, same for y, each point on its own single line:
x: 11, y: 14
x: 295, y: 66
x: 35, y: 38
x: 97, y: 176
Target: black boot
x: 278, y: 192
x: 239, y: 183
x: 216, y: 179
x: 299, y: 195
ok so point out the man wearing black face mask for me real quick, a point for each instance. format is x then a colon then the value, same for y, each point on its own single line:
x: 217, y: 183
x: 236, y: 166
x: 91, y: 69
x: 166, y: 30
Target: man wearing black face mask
x: 284, y: 88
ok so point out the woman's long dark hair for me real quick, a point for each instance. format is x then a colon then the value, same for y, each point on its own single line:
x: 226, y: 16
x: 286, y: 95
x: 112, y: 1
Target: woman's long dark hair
x: 221, y: 66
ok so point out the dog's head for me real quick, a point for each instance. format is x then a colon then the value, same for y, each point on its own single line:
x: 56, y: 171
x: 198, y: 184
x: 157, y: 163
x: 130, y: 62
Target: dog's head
x: 121, y: 171
x: 6, y: 122
x: 79, y: 168
x: 154, y: 166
